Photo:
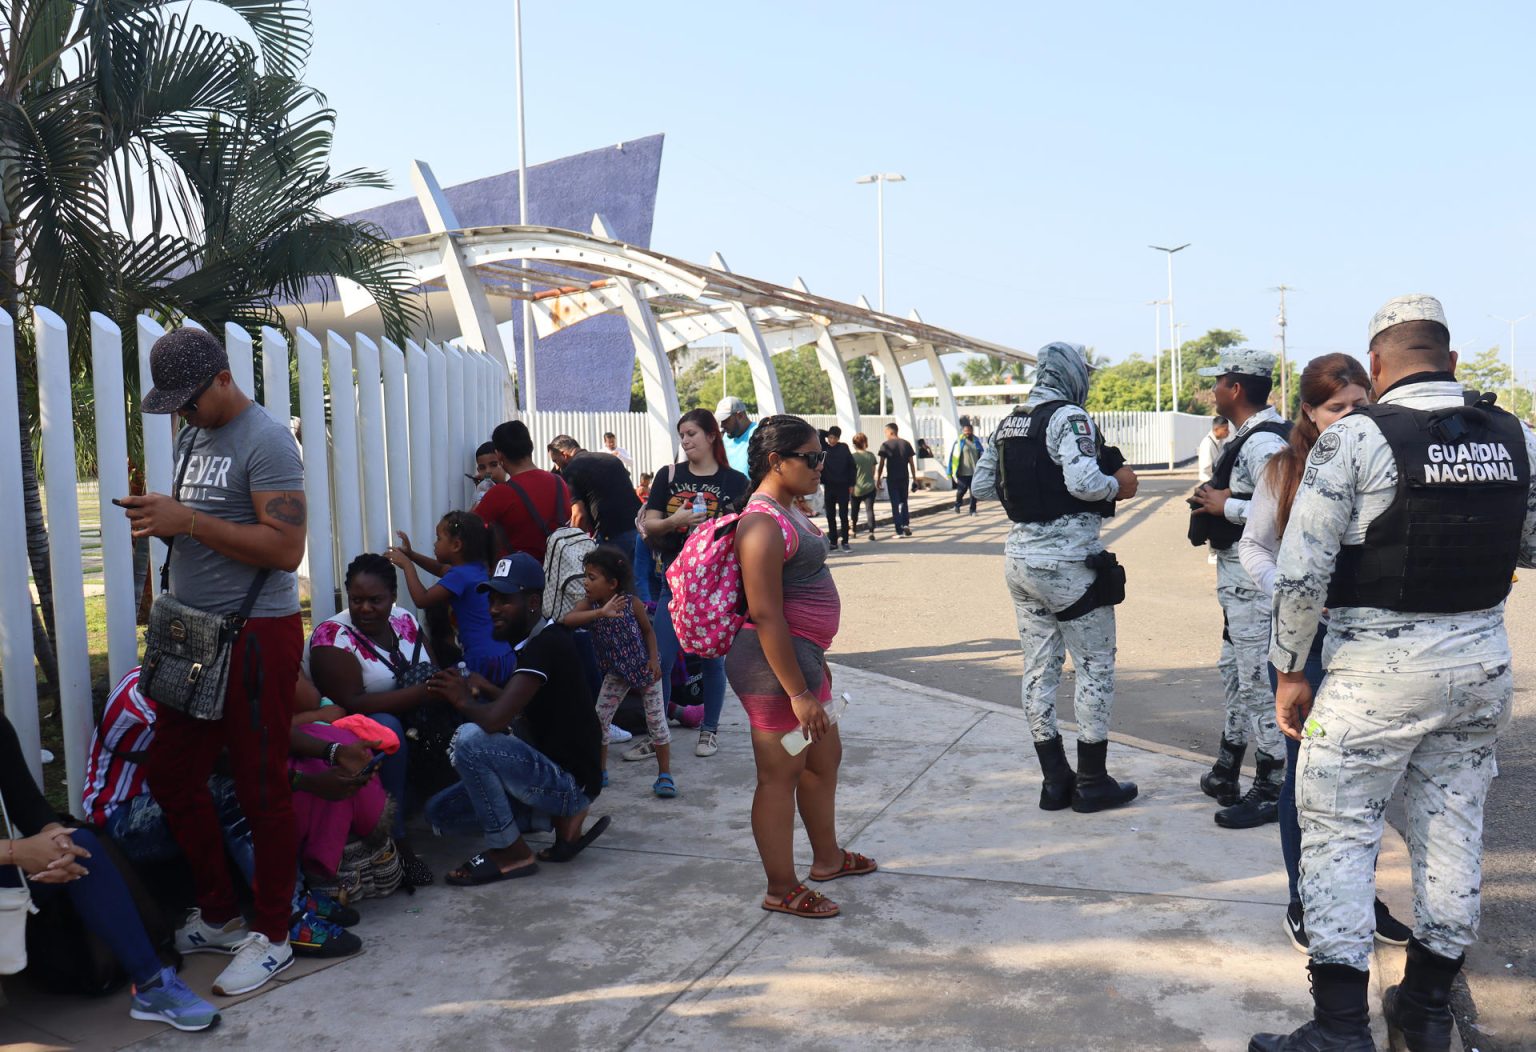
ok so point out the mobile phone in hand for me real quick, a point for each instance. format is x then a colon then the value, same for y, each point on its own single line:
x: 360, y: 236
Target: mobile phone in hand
x: 372, y: 765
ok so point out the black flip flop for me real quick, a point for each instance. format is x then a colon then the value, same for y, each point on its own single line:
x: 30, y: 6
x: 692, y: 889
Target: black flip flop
x: 565, y: 850
x: 481, y: 870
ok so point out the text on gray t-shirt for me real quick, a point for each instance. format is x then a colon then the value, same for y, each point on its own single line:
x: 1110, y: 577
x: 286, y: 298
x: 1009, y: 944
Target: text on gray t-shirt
x: 253, y: 453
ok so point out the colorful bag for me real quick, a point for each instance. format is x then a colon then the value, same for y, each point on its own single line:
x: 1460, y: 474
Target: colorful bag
x: 708, y: 607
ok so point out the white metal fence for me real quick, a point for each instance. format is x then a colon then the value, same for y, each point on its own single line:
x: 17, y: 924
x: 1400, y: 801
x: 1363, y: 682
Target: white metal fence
x: 391, y: 455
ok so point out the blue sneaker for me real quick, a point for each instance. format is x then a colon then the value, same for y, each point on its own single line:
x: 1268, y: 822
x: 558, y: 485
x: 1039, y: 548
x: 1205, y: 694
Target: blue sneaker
x: 172, y: 1001
x: 313, y: 936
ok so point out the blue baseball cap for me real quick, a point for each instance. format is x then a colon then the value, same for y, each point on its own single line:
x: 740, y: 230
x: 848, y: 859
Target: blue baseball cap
x: 519, y: 572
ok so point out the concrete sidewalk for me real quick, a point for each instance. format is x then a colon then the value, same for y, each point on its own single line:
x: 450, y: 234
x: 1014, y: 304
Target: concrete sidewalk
x: 991, y: 925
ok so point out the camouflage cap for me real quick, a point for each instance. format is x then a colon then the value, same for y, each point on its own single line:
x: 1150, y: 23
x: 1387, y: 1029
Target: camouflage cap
x: 1243, y: 360
x: 1416, y: 306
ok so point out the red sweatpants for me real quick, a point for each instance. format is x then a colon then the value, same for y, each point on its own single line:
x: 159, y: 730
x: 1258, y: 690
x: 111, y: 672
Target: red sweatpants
x: 255, y: 731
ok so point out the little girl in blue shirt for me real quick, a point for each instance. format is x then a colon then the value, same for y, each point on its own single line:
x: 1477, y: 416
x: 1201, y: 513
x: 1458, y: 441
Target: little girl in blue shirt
x: 461, y: 548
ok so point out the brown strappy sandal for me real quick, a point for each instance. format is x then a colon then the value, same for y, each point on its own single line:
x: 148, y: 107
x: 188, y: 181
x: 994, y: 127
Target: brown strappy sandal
x: 803, y: 902
x: 854, y: 865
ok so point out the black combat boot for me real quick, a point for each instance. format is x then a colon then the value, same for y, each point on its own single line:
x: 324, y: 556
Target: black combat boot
x: 1341, y: 1018
x: 1056, y: 791
x: 1419, y: 1009
x: 1097, y: 791
x: 1221, y: 781
x: 1261, y: 804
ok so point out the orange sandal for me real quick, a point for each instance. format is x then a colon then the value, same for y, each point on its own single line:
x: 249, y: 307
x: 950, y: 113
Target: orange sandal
x: 854, y: 865
x: 803, y: 902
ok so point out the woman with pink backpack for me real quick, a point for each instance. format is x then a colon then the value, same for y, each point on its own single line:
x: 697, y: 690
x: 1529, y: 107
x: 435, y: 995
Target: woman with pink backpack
x: 777, y: 666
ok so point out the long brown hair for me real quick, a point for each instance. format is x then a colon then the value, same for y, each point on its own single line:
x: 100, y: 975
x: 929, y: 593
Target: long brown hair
x: 1322, y: 379
x: 705, y: 421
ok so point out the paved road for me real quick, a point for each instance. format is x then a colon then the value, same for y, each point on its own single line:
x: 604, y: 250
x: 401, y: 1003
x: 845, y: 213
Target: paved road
x: 946, y: 622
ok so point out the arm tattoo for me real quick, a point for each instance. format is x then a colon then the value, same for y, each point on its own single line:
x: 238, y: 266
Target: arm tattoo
x: 287, y: 508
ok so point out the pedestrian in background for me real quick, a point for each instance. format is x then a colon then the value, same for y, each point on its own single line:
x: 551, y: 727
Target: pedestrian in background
x: 864, y: 487
x: 736, y: 428
x: 838, y: 474
x: 1210, y: 448
x: 896, y: 456
x: 1408, y: 524
x: 961, y: 466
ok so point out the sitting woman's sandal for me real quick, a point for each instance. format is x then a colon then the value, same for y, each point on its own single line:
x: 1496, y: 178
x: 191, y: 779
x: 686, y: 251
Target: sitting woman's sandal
x: 803, y: 902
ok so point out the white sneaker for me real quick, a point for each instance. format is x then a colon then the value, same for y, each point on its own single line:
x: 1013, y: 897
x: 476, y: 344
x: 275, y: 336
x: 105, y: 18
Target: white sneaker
x: 617, y: 734
x: 708, y: 744
x: 256, y: 961
x: 197, y: 936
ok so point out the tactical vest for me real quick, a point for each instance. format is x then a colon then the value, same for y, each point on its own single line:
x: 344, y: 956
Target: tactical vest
x: 1218, y: 530
x: 1450, y: 538
x: 1032, y: 486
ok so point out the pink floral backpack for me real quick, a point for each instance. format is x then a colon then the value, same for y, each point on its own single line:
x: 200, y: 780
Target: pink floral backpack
x: 707, y: 603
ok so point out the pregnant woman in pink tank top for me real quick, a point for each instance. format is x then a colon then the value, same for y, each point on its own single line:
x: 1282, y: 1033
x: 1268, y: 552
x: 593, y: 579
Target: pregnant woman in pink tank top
x: 777, y: 666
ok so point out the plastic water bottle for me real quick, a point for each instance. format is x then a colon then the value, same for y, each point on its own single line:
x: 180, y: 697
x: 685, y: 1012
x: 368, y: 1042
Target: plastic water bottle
x: 795, y: 741
x: 699, y: 507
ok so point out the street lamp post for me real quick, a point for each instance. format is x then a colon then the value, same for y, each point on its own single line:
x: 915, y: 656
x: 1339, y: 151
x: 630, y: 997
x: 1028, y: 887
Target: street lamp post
x: 1511, y: 322
x: 880, y: 179
x: 530, y: 383
x: 1157, y: 348
x: 1176, y: 360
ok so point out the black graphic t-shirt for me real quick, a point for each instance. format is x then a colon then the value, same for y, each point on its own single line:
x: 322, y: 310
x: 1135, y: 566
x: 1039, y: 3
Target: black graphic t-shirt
x: 676, y: 485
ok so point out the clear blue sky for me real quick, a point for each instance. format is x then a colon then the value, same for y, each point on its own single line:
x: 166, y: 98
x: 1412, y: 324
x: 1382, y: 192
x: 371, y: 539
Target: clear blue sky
x: 1353, y: 151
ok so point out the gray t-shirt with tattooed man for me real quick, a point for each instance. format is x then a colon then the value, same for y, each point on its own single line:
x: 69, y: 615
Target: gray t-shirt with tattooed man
x: 253, y: 453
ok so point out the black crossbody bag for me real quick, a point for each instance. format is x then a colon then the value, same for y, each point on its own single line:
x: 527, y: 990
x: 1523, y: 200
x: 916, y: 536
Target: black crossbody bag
x: 187, y: 651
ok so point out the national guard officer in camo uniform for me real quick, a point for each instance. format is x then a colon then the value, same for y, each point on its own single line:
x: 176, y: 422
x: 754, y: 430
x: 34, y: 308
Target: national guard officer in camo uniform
x: 1408, y: 524
x: 1048, y: 464
x: 1219, y: 513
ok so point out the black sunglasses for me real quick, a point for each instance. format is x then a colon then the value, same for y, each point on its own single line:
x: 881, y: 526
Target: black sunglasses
x: 191, y: 405
x: 812, y: 460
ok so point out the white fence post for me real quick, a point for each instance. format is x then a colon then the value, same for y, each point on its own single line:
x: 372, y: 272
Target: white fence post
x: 56, y: 410
x: 317, y: 477
x: 19, y: 673
x: 442, y: 478
x: 397, y: 438
x: 419, y: 392
x: 159, y: 442
x: 345, y: 467
x: 242, y: 358
x: 274, y: 375
x: 112, y: 481
x: 370, y: 450
x: 453, y: 467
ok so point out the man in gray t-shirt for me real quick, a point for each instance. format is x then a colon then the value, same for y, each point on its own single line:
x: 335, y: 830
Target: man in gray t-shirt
x: 239, y: 510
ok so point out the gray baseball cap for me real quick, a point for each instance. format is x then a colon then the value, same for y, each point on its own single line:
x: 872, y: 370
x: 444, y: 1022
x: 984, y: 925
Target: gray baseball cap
x: 1242, y: 360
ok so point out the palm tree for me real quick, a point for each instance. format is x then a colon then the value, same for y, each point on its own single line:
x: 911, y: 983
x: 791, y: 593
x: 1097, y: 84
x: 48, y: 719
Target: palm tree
x: 150, y: 163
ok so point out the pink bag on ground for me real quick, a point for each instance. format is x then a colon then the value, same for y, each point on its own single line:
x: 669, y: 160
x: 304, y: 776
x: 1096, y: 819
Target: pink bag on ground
x: 705, y: 580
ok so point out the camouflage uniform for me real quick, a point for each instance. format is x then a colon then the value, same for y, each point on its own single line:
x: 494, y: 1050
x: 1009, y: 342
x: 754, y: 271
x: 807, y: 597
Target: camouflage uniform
x: 1045, y: 570
x: 1250, y: 709
x: 1419, y: 697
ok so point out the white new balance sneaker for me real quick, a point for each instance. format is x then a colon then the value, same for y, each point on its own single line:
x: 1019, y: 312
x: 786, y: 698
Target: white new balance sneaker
x: 617, y: 734
x: 256, y: 961
x: 198, y: 936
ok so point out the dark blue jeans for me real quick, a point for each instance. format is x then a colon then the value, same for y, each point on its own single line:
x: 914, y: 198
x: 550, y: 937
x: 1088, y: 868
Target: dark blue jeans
x: 393, y: 770
x: 648, y: 582
x: 899, y: 493
x: 712, y: 669
x: 1290, y: 829
x: 514, y: 788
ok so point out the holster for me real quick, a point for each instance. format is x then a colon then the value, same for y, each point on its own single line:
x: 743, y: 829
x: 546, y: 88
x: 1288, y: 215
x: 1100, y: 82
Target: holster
x: 1107, y: 589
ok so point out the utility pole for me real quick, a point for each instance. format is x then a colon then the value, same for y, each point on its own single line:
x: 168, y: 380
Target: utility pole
x: 1285, y: 391
x: 530, y: 383
x: 1511, y: 322
x: 1157, y: 347
x: 1176, y: 360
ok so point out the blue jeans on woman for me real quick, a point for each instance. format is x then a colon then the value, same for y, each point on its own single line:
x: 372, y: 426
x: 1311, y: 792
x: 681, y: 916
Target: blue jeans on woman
x: 514, y: 788
x: 139, y: 827
x: 1290, y: 828
x: 668, y: 649
x: 105, y: 906
x: 648, y: 582
x: 393, y: 770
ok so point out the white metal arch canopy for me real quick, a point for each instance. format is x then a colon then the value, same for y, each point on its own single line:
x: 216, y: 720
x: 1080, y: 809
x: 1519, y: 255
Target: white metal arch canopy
x: 669, y: 303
